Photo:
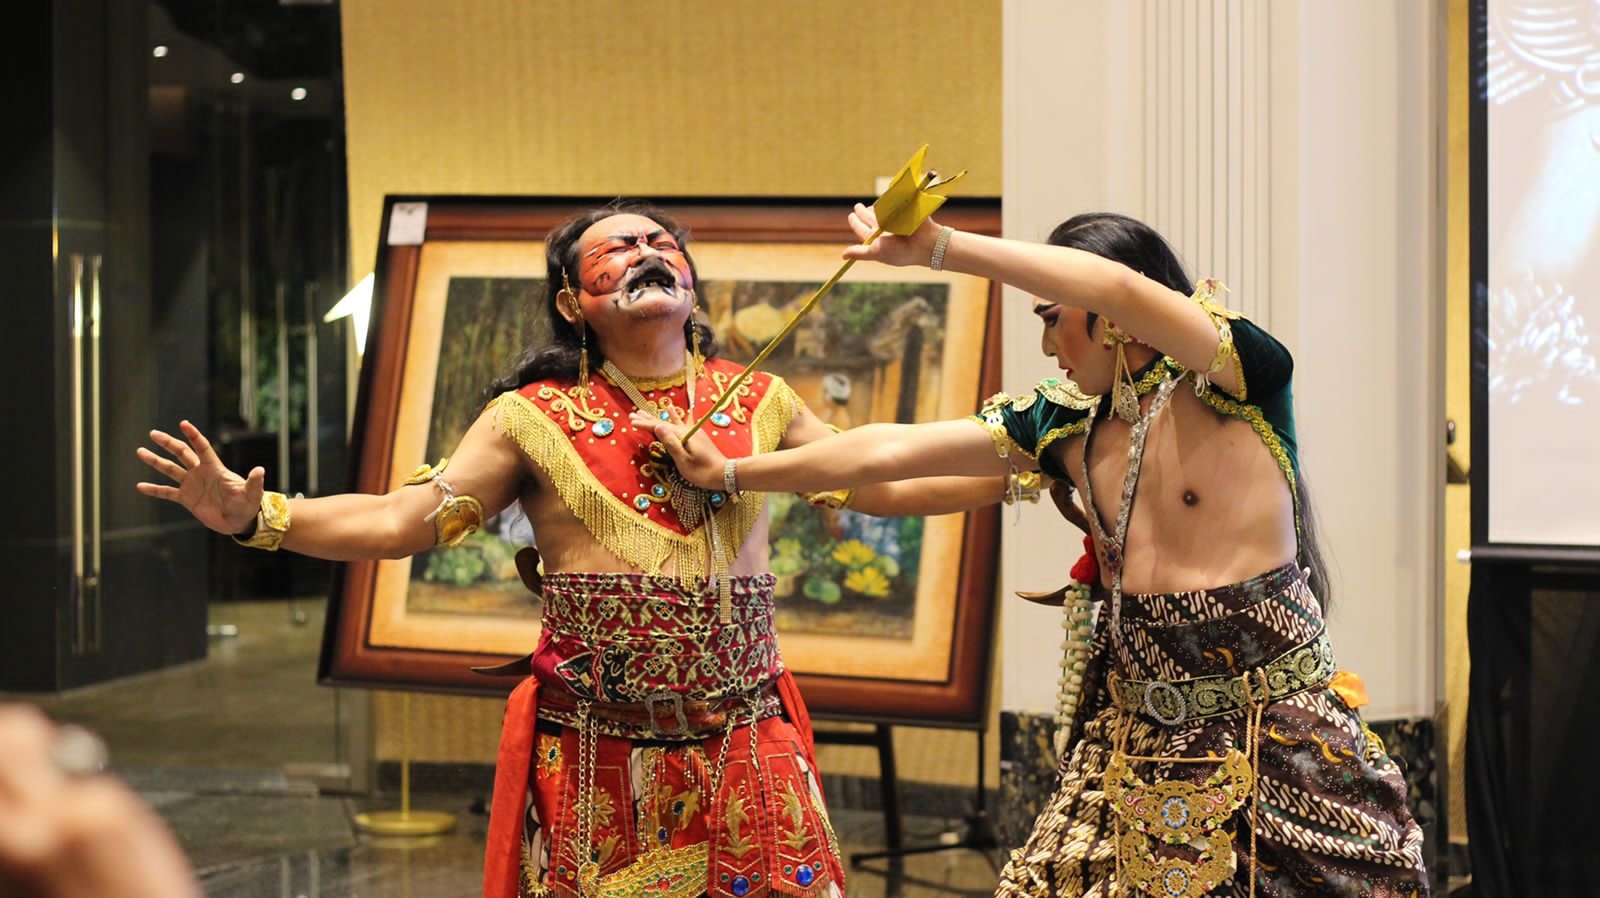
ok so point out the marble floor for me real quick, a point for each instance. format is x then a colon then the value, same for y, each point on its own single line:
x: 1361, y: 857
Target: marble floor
x: 206, y: 744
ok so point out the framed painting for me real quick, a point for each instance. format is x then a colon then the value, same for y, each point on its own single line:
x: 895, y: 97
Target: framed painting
x: 881, y: 619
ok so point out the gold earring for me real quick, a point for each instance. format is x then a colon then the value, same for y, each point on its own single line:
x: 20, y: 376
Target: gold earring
x: 583, y: 331
x: 694, y: 334
x: 583, y: 357
x: 1124, y: 396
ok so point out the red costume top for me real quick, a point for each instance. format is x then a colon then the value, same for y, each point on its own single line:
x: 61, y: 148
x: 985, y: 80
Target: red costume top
x: 729, y: 809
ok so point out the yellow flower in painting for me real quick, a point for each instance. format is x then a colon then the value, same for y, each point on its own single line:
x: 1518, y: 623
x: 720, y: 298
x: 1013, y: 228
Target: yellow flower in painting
x: 853, y: 553
x: 869, y: 581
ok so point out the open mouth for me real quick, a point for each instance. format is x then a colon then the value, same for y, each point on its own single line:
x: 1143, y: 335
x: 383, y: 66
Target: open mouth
x: 650, y: 276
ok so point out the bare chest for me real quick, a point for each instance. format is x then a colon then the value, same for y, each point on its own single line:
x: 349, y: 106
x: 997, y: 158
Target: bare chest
x: 1208, y: 500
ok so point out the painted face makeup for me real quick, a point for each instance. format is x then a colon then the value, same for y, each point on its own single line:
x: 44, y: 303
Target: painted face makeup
x: 627, y: 258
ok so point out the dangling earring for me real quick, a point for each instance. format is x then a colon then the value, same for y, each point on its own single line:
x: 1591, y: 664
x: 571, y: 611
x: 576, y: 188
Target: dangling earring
x: 583, y: 357
x: 694, y: 335
x: 583, y: 331
x: 1124, y: 396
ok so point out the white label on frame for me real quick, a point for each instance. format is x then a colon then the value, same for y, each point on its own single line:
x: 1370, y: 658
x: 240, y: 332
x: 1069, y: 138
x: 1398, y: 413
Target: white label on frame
x: 408, y: 222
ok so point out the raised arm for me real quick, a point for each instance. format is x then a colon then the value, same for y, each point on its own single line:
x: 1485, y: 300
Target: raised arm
x: 345, y: 527
x: 1155, y: 315
x: 874, y: 453
x: 922, y: 496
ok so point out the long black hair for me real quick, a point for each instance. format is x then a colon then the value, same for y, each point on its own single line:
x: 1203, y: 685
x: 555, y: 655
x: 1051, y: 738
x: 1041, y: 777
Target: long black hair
x: 1140, y: 247
x: 558, y: 359
x: 1126, y: 240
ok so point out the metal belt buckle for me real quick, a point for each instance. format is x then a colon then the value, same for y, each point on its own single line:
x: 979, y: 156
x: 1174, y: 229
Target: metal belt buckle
x: 676, y: 700
x: 1173, y: 698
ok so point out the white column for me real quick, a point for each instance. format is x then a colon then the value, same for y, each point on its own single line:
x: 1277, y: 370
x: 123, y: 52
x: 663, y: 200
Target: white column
x: 1368, y: 296
x: 1288, y: 149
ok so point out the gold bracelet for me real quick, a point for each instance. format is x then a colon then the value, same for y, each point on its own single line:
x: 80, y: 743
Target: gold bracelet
x: 272, y: 522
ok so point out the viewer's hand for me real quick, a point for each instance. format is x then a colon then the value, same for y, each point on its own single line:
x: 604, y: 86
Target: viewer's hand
x: 700, y: 462
x: 889, y: 249
x: 217, y: 497
x: 69, y: 836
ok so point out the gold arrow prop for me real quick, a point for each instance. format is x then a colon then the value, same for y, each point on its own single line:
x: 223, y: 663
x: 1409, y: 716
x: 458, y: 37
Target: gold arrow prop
x: 902, y: 208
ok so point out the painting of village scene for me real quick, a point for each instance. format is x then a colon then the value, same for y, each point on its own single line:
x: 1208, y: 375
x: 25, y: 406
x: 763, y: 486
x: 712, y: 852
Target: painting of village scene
x: 868, y: 352
x: 488, y: 322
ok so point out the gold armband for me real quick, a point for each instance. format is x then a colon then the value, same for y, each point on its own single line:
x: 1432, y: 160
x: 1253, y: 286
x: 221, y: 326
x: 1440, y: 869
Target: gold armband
x: 1226, y: 350
x: 272, y: 522
x: 834, y: 499
x: 455, y: 517
x: 996, y: 425
x: 1022, y: 486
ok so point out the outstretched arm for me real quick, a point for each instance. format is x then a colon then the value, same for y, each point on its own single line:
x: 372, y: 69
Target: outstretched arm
x: 346, y: 527
x: 1151, y: 312
x: 923, y: 496
x: 874, y: 453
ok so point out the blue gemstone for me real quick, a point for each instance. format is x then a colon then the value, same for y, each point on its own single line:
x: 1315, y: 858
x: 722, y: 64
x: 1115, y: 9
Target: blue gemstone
x: 658, y: 491
x: 804, y: 876
x: 603, y: 427
x: 642, y: 503
x: 664, y: 415
x: 717, y: 499
x: 662, y: 834
x: 721, y: 419
x: 740, y: 885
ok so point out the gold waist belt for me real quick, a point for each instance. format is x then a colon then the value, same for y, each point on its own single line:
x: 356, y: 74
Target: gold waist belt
x: 665, y: 716
x: 1171, y: 702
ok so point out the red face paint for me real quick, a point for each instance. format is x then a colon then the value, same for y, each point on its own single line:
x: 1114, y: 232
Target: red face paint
x: 619, y: 244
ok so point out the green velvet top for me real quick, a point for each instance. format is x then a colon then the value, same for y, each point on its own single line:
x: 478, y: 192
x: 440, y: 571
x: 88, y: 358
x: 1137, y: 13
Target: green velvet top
x: 1056, y: 408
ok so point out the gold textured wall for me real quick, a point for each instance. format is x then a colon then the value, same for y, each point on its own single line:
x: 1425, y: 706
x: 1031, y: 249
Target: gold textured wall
x: 679, y: 97
x: 688, y: 97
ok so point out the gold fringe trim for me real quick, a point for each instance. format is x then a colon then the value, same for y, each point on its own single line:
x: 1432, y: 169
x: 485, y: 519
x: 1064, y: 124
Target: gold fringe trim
x: 626, y: 532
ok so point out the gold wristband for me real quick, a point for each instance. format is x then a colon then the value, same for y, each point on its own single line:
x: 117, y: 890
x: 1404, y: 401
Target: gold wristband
x: 272, y: 522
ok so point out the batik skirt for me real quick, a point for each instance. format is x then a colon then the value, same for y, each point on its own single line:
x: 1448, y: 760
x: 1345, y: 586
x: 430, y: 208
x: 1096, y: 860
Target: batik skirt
x: 1191, y: 774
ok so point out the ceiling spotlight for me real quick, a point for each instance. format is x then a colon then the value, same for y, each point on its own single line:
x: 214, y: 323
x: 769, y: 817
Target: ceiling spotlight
x: 298, y: 93
x: 159, y: 51
x: 237, y: 77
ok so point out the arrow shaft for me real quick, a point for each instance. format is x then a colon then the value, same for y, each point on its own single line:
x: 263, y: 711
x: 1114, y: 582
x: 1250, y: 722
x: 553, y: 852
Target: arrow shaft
x: 733, y: 387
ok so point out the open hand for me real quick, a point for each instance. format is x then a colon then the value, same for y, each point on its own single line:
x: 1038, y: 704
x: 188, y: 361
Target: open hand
x: 700, y: 462
x: 217, y: 497
x: 889, y: 249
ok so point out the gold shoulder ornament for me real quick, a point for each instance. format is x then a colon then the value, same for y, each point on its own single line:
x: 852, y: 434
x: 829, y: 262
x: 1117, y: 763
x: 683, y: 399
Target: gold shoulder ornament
x: 1064, y: 393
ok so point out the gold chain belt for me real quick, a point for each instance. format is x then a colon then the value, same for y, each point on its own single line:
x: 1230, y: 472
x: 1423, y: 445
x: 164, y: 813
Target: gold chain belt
x: 1171, y: 702
x: 665, y: 715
